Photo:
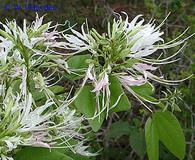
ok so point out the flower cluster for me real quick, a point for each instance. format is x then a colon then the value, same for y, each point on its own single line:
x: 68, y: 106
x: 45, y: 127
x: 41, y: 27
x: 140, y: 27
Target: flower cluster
x: 25, y: 51
x: 124, y: 52
x: 21, y: 125
x: 30, y: 113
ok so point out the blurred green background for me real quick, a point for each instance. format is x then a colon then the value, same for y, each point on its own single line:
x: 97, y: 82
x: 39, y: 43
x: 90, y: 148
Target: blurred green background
x: 122, y: 135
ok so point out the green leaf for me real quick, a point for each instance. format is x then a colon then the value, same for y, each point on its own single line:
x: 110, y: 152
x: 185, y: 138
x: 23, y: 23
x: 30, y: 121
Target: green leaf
x: 146, y: 89
x: 86, y: 104
x: 152, y: 140
x: 77, y: 62
x: 137, y: 141
x: 170, y: 132
x: 116, y: 90
x: 145, y: 92
x: 33, y: 153
x: 75, y: 156
x: 118, y: 129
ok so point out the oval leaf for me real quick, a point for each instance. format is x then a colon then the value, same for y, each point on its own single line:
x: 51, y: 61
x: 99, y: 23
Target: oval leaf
x: 145, y: 92
x: 170, y: 133
x: 116, y: 90
x: 86, y: 104
x: 77, y: 62
x: 145, y: 89
x: 152, y: 140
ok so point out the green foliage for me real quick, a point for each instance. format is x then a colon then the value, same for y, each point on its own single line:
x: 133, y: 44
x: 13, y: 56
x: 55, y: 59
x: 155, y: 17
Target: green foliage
x: 32, y: 153
x: 152, y: 140
x: 78, y: 64
x: 162, y: 126
x: 40, y: 154
x: 116, y: 91
x: 137, y: 141
x: 86, y: 104
x: 165, y: 127
x: 170, y: 133
x: 145, y: 92
x: 119, y: 129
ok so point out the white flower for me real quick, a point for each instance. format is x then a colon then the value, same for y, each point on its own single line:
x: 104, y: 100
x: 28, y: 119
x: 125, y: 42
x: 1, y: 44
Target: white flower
x: 131, y: 81
x: 79, y: 42
x: 5, y: 157
x: 17, y: 55
x: 37, y: 23
x: 16, y: 72
x: 101, y: 86
x: 82, y: 150
x: 144, y: 69
x: 2, y: 89
x: 90, y: 75
x: 5, y: 47
x: 144, y: 40
x: 33, y: 120
x: 24, y: 80
x: 36, y: 127
x: 37, y: 139
x: 12, y: 142
x: 142, y: 37
x: 103, y: 83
